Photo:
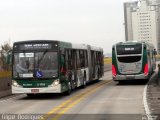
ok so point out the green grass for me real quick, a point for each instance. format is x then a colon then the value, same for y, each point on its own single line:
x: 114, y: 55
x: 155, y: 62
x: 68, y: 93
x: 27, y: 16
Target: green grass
x: 107, y: 60
x: 5, y: 74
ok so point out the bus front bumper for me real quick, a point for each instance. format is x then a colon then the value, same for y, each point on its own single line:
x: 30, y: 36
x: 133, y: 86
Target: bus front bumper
x: 54, y: 89
x: 129, y: 77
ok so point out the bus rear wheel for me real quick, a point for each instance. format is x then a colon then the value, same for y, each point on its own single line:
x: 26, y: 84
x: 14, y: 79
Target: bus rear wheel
x: 84, y: 82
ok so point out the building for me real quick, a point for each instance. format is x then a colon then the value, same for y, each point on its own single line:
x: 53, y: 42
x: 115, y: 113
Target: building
x: 154, y: 2
x: 142, y: 22
x: 128, y: 8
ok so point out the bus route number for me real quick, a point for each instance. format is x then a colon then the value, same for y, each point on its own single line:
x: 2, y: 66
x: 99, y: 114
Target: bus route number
x: 128, y: 49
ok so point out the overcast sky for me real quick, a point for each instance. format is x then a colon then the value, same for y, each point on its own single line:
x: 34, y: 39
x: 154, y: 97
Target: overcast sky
x: 95, y: 22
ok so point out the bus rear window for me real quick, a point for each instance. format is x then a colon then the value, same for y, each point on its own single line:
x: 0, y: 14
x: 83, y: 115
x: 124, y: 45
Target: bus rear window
x: 129, y: 49
x: 129, y: 59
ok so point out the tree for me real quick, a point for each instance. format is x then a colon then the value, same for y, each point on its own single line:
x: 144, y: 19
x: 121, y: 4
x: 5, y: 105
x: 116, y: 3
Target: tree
x: 4, y: 49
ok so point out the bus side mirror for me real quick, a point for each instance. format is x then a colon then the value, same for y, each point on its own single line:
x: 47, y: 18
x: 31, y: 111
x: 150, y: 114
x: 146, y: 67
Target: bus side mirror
x: 9, y: 58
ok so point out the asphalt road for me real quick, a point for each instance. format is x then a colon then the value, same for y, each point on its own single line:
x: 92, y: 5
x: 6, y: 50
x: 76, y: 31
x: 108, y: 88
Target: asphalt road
x: 101, y: 100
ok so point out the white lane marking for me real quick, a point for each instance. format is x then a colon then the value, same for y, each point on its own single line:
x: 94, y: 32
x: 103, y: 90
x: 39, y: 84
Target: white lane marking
x: 12, y: 97
x: 148, y: 113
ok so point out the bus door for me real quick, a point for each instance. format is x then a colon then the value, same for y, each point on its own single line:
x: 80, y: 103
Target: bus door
x: 70, y: 67
x: 74, y: 68
x: 93, y: 56
x: 78, y: 68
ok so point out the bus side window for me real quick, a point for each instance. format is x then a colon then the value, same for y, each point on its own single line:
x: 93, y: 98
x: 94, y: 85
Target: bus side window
x: 74, y: 59
x: 78, y: 59
x: 92, y: 58
x: 97, y: 58
x: 70, y: 66
x: 86, y: 58
x: 67, y: 59
x: 93, y: 63
x: 82, y: 58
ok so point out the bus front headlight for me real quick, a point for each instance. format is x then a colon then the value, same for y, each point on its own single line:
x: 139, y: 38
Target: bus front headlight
x: 14, y: 83
x: 55, y: 83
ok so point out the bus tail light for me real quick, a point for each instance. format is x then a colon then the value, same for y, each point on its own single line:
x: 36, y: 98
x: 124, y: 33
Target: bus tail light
x: 114, y: 73
x: 146, y: 69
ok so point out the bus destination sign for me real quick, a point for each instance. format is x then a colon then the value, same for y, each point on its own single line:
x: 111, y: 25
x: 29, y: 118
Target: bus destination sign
x: 35, y: 46
x: 128, y: 49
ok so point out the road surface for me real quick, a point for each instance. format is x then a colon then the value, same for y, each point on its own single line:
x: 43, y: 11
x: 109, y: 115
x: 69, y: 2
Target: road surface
x: 101, y: 100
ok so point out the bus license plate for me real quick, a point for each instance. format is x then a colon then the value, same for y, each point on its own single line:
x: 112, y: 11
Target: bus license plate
x: 130, y: 77
x: 34, y: 90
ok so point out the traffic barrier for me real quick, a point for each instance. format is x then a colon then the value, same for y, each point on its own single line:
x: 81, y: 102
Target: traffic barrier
x: 5, y: 83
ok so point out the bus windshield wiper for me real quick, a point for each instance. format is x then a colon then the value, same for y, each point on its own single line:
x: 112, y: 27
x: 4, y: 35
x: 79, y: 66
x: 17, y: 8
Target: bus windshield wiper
x: 39, y: 60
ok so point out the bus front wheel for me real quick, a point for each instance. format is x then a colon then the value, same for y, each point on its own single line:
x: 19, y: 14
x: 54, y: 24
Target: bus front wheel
x: 31, y: 95
x: 69, y: 89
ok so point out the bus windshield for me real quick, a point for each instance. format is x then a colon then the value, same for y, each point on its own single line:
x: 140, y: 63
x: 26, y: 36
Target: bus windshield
x: 129, y: 49
x: 35, y: 65
x: 129, y: 53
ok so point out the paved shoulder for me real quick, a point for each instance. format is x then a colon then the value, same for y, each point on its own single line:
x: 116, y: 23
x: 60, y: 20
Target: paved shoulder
x: 153, y: 96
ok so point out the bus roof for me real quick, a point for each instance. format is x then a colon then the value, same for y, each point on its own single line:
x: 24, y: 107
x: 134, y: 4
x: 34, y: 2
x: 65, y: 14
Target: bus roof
x: 62, y: 44
x: 128, y: 43
x: 96, y: 48
x: 79, y: 46
x: 133, y: 43
x: 30, y: 41
x: 149, y: 45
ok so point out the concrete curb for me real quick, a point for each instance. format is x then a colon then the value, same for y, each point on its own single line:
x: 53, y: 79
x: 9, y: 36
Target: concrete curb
x: 5, y: 93
x: 146, y: 107
x: 145, y: 102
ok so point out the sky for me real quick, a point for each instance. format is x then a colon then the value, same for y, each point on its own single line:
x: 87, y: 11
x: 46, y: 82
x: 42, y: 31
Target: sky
x: 95, y: 22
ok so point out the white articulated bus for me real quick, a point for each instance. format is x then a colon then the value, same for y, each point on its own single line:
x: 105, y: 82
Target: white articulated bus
x: 49, y: 66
